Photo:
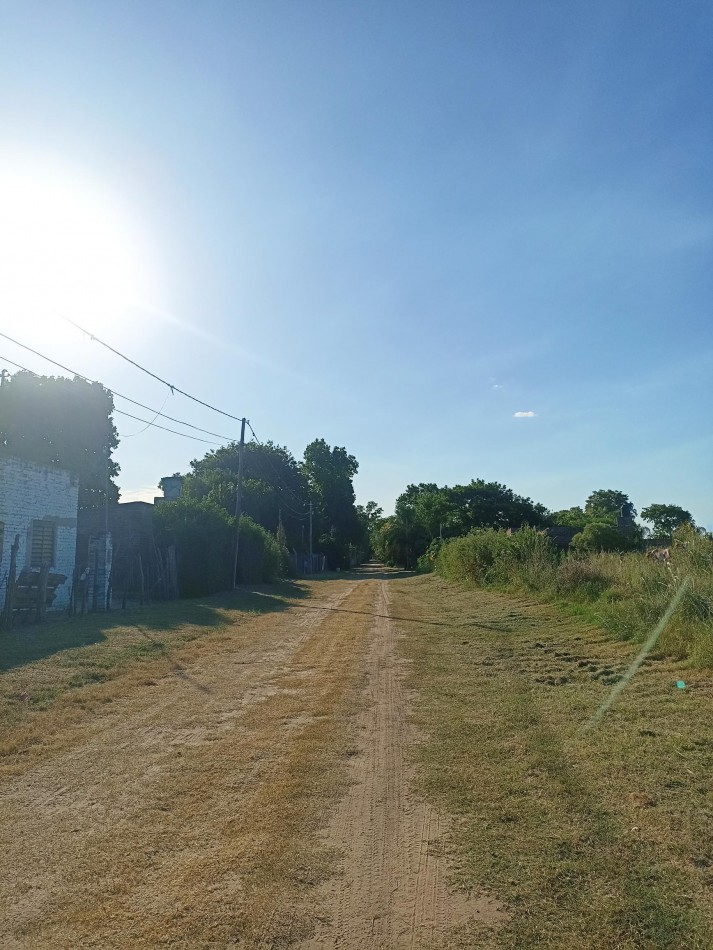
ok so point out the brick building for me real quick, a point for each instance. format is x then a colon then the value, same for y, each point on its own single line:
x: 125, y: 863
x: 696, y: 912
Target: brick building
x: 39, y: 505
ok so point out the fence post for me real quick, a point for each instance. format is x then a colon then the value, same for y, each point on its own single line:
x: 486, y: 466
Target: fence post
x: 10, y: 594
x: 41, y: 606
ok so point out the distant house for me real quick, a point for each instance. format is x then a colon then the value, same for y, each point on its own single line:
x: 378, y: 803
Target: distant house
x: 38, y: 506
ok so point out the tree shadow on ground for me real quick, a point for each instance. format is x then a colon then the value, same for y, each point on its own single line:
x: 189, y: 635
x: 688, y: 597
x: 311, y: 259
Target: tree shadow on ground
x: 26, y: 643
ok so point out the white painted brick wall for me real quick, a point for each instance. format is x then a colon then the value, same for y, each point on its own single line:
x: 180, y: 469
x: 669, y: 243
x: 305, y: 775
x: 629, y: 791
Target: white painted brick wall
x: 30, y: 492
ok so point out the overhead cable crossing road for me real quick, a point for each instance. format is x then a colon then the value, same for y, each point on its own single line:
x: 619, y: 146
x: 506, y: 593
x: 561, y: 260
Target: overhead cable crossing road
x: 114, y: 392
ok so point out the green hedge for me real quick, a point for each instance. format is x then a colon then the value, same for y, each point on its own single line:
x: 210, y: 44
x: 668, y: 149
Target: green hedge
x: 204, y: 536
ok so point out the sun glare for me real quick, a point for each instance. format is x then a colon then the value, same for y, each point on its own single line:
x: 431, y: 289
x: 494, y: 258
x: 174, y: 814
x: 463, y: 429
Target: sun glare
x: 66, y: 249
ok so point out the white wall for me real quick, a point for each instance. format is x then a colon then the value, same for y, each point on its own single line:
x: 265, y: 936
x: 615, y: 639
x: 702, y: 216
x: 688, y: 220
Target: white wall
x: 30, y: 492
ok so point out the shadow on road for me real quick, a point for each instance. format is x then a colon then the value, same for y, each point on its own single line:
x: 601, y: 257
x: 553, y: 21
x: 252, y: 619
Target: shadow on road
x: 26, y: 643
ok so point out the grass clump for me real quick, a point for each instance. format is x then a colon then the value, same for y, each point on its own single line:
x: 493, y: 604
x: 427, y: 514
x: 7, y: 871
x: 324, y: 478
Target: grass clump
x: 626, y: 593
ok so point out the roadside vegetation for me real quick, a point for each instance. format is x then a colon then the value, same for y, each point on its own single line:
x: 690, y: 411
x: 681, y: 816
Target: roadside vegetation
x: 592, y: 560
x: 624, y: 593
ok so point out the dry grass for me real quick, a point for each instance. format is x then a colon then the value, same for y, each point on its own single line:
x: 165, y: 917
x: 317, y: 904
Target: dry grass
x: 65, y: 668
x: 602, y: 840
x: 185, y: 812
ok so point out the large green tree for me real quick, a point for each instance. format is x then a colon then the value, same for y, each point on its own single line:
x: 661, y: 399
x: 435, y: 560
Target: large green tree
x: 274, y: 486
x: 425, y: 511
x: 337, y: 526
x: 666, y: 518
x: 65, y: 423
x: 570, y: 517
x: 604, y: 505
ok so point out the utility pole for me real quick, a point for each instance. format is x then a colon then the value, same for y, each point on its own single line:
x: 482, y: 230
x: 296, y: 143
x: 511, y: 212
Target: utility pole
x: 310, y: 537
x: 239, y: 499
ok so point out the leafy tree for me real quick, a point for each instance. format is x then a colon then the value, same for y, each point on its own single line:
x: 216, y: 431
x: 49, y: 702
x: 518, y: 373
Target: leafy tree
x: 600, y: 536
x: 605, y: 504
x: 493, y: 505
x: 570, y: 517
x: 431, y: 507
x: 272, y: 484
x: 66, y: 423
x: 397, y: 541
x: 425, y: 511
x: 370, y: 517
x: 666, y: 518
x: 329, y: 473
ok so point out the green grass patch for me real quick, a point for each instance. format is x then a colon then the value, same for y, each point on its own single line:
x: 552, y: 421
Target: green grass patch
x: 599, y: 840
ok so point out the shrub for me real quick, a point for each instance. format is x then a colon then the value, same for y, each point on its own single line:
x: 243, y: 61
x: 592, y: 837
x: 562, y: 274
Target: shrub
x: 204, y: 536
x: 427, y: 561
x: 472, y: 557
x: 490, y: 557
x: 260, y: 557
x: 580, y: 577
x: 599, y: 536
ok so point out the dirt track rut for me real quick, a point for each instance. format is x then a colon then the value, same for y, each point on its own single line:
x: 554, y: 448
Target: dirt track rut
x: 392, y: 888
x: 159, y: 820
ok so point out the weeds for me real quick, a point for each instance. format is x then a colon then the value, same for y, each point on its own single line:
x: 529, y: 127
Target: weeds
x: 624, y: 593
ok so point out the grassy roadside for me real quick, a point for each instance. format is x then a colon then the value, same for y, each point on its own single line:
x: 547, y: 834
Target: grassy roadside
x: 625, y: 594
x: 602, y: 840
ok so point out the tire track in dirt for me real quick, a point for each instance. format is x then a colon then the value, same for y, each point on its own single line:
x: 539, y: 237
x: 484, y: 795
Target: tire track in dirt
x: 392, y: 890
x: 65, y: 819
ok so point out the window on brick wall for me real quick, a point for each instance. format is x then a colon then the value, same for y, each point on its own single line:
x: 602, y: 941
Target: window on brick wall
x: 44, y: 537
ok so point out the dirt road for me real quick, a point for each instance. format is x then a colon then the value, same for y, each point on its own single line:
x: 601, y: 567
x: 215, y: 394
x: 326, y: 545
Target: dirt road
x: 256, y: 793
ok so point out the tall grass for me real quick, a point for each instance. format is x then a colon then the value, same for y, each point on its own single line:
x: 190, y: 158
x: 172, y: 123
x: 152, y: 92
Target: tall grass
x: 625, y: 593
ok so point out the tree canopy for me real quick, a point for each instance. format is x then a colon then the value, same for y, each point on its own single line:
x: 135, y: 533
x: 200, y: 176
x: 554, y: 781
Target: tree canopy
x: 605, y: 504
x: 425, y: 511
x: 570, y: 517
x: 278, y: 490
x: 666, y: 518
x: 65, y: 423
x: 274, y: 486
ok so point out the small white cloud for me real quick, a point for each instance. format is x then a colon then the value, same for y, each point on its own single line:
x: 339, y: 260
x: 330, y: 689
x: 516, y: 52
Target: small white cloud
x: 524, y: 415
x: 497, y: 386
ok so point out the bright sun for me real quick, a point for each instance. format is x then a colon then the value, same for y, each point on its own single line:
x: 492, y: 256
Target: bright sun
x: 66, y: 249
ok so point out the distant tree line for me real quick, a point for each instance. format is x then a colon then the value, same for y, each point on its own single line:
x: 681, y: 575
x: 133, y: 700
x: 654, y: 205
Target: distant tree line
x: 426, y: 515
x: 68, y: 423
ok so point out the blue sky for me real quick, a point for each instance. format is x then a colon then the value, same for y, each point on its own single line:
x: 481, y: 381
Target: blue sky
x: 391, y: 225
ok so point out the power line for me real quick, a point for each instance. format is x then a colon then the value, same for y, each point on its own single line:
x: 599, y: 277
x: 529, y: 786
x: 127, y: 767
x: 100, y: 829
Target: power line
x: 195, y: 438
x: 152, y: 423
x: 120, y: 412
x: 112, y: 391
x: 149, y: 373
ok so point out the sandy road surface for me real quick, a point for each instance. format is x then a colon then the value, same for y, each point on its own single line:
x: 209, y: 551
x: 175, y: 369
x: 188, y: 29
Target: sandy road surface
x: 257, y: 796
x: 392, y: 889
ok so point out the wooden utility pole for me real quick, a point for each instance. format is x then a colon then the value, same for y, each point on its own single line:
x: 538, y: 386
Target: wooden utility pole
x: 310, y: 537
x: 239, y: 499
